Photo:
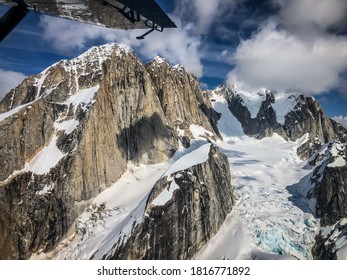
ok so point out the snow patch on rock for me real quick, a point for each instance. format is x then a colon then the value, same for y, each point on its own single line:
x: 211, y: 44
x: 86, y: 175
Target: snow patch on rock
x: 284, y: 103
x: 252, y: 100
x: 46, y: 159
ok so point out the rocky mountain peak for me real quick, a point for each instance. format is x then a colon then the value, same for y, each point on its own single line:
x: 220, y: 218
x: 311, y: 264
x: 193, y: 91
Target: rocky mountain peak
x: 159, y: 60
x: 74, y: 128
x: 102, y: 52
x: 263, y: 113
x: 173, y: 83
x: 81, y: 72
x: 161, y: 63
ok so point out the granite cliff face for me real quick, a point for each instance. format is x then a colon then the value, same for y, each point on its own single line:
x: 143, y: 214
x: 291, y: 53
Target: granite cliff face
x: 178, y: 225
x: 181, y: 97
x: 330, y: 189
x: 68, y: 133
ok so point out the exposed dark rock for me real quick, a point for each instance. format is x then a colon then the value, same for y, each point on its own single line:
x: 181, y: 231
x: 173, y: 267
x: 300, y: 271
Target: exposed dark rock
x: 263, y: 125
x: 331, y: 194
x: 180, y: 227
x: 323, y: 251
x: 330, y: 240
x: 30, y: 220
x: 329, y: 180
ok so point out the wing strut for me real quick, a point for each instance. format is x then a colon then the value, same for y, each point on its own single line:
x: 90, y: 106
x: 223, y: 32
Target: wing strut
x: 144, y: 35
x: 12, y: 18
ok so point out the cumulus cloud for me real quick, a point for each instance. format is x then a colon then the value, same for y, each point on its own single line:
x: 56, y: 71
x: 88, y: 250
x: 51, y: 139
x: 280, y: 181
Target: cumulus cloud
x: 341, y: 120
x: 294, y: 50
x: 313, y: 14
x: 176, y: 45
x: 8, y: 80
x: 278, y: 60
x: 204, y: 13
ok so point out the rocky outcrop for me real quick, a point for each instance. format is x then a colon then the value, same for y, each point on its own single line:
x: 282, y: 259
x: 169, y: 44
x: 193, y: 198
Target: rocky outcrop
x: 331, y: 195
x: 181, y: 97
x: 301, y: 115
x: 176, y: 228
x: 323, y: 250
x: 331, y: 242
x: 264, y: 124
x: 68, y: 133
x: 329, y: 181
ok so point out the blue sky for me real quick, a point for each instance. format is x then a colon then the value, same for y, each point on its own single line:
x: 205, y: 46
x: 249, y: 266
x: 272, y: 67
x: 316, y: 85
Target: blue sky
x: 283, y: 45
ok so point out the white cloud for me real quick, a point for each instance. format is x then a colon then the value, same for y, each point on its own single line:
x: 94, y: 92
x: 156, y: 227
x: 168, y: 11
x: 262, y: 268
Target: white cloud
x: 320, y: 14
x: 176, y: 45
x: 8, y: 80
x: 295, y: 49
x: 204, y: 13
x: 341, y: 120
x: 279, y: 60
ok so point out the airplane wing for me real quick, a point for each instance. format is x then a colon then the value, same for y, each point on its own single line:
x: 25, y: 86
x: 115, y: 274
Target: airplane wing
x: 119, y: 14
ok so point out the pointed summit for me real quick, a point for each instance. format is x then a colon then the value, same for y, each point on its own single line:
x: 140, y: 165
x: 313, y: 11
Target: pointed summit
x: 158, y: 59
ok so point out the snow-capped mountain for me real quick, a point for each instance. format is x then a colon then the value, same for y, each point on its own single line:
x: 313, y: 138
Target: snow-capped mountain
x: 264, y: 113
x: 106, y: 158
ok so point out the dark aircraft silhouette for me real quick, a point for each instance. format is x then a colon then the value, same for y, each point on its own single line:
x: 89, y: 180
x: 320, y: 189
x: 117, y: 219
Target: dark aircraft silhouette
x: 118, y: 14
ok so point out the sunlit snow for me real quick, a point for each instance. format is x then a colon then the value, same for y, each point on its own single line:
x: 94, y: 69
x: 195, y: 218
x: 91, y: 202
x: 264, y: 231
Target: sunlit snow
x: 83, y: 97
x: 252, y: 101
x: 166, y: 194
x: 67, y: 126
x: 14, y: 111
x: 337, y: 152
x: 195, y: 157
x: 198, y: 131
x: 284, y: 103
x: 47, y: 158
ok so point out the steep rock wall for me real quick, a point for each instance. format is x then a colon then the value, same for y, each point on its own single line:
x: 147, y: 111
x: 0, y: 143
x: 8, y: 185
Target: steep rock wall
x: 179, y: 227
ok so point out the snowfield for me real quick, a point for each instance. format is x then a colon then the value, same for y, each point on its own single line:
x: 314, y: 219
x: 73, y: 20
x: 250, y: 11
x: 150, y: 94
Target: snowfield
x: 271, y: 218
x: 266, y: 222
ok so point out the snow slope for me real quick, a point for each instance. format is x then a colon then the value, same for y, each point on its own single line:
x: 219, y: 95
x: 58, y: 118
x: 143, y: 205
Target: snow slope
x: 266, y: 220
x: 284, y: 103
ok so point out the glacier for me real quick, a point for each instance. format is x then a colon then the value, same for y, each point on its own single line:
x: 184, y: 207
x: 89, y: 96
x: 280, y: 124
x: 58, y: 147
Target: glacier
x: 270, y: 224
